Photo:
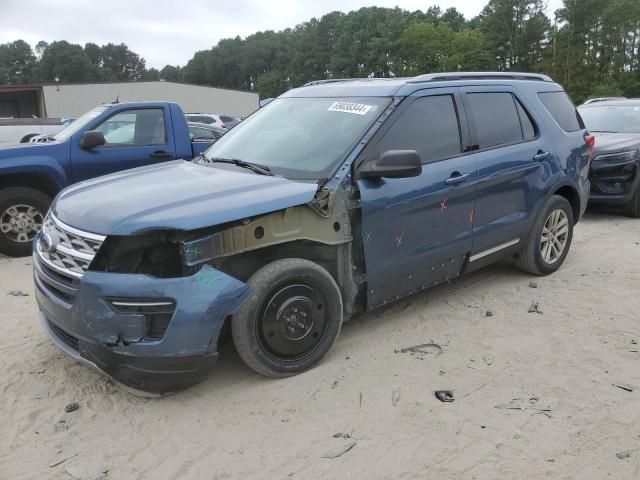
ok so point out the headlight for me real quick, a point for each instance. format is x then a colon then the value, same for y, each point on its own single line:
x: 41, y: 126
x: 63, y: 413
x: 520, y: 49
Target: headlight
x: 621, y: 157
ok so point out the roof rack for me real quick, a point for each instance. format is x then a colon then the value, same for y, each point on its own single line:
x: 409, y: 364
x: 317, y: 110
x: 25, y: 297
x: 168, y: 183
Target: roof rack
x: 439, y: 77
x: 330, y: 80
x: 603, y: 99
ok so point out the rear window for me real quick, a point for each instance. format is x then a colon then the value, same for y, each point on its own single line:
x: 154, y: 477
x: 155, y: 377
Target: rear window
x: 495, y: 118
x: 559, y: 105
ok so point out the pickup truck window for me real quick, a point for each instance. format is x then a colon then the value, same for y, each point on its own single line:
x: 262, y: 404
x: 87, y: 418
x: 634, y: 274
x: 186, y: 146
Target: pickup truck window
x: 301, y: 138
x: 80, y: 123
x: 135, y: 128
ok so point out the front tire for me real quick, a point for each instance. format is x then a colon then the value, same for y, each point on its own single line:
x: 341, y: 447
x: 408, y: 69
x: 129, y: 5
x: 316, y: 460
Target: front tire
x: 550, y: 238
x: 632, y: 208
x: 22, y: 212
x: 292, y: 319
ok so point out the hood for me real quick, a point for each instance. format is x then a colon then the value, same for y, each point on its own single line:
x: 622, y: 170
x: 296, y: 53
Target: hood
x: 174, y: 195
x: 615, y: 142
x: 17, y: 150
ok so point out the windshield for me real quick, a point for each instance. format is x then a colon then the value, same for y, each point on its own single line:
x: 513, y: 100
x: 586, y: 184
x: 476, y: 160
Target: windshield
x: 300, y: 138
x: 612, y: 118
x: 79, y: 123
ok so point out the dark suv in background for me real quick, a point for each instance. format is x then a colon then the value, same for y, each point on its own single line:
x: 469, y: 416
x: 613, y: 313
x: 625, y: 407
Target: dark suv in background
x: 615, y: 169
x: 334, y: 199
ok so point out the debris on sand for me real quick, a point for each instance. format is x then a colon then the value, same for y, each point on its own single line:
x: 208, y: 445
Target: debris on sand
x: 338, y: 452
x: 71, y: 407
x: 533, y: 284
x: 60, y: 462
x: 444, y: 395
x: 425, y: 348
x: 535, y: 308
x: 488, y: 313
x: 524, y: 404
x: 623, y: 455
x: 17, y: 293
x: 395, y: 397
x: 622, y: 386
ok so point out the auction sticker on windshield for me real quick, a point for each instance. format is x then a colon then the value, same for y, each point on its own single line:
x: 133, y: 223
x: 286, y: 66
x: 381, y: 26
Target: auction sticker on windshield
x: 347, y: 107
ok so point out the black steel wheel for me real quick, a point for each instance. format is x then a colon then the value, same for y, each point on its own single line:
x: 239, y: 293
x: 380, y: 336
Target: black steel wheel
x: 292, y: 319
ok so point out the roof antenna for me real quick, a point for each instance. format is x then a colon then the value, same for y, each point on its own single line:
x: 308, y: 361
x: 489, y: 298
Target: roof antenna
x: 117, y: 99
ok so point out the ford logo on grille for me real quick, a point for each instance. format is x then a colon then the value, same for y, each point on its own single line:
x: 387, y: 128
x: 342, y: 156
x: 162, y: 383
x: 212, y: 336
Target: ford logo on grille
x: 47, y: 243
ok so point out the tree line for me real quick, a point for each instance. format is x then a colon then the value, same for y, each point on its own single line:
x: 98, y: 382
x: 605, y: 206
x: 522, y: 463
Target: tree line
x: 592, y: 47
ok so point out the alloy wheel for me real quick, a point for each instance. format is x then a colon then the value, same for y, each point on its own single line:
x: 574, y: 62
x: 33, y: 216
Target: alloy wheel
x: 21, y: 223
x: 555, y: 234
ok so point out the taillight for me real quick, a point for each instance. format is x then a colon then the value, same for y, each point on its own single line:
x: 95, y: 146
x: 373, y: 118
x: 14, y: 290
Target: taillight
x: 590, y: 140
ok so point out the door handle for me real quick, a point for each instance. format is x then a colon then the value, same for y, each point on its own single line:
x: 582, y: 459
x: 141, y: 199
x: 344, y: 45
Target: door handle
x: 457, y: 178
x: 161, y: 154
x: 540, y: 156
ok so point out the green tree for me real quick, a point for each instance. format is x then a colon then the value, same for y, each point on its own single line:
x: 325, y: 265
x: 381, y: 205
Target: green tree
x: 170, y: 73
x: 152, y: 74
x: 66, y: 61
x: 17, y: 62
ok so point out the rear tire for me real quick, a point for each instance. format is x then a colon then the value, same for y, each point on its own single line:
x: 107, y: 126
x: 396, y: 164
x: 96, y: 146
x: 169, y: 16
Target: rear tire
x: 28, y: 137
x: 22, y: 211
x: 550, y: 238
x: 632, y: 208
x: 292, y: 319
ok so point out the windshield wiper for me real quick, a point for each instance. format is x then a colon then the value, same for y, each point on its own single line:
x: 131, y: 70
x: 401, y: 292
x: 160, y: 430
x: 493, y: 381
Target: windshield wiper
x: 254, y: 167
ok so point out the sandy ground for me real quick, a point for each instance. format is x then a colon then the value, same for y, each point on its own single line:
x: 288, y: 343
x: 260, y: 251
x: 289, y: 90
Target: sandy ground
x: 534, y: 393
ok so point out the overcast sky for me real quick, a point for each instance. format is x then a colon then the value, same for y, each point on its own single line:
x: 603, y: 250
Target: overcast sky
x: 170, y: 32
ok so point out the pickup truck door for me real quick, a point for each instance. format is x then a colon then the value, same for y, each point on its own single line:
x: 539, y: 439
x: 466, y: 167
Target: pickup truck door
x: 135, y: 137
x: 417, y: 231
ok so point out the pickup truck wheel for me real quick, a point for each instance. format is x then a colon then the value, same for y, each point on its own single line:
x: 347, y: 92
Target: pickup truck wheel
x: 291, y: 320
x: 632, y: 208
x: 550, y: 238
x: 22, y: 212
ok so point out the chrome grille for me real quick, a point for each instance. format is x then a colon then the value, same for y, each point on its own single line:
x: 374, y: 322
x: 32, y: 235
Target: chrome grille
x: 66, y: 249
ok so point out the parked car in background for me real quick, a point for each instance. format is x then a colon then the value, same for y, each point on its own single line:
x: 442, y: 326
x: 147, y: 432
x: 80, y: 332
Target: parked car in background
x: 602, y: 99
x: 204, y: 132
x: 225, y: 122
x: 615, y: 169
x: 107, y: 139
x: 22, y: 130
x: 338, y: 198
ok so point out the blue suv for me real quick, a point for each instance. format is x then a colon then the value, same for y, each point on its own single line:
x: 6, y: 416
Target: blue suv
x: 337, y: 198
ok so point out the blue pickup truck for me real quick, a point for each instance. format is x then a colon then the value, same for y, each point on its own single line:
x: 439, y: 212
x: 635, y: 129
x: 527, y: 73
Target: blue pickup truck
x: 107, y: 139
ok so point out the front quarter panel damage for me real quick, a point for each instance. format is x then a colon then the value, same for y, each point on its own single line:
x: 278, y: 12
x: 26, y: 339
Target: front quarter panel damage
x: 202, y: 302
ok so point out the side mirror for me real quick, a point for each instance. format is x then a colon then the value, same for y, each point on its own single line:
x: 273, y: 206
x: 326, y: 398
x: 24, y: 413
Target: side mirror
x: 92, y: 139
x: 393, y: 164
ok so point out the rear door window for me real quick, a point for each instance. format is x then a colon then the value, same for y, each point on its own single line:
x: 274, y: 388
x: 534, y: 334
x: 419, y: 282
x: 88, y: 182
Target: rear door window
x: 559, y: 105
x: 496, y: 119
x: 429, y: 126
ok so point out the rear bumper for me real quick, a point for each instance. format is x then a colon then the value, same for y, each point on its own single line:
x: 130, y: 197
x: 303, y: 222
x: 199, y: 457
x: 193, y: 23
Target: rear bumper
x: 128, y: 346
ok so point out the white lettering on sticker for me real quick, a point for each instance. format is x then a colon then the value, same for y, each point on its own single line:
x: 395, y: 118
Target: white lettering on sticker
x: 347, y: 107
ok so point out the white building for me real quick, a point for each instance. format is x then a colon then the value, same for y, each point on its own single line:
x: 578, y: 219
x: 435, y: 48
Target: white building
x: 72, y: 100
